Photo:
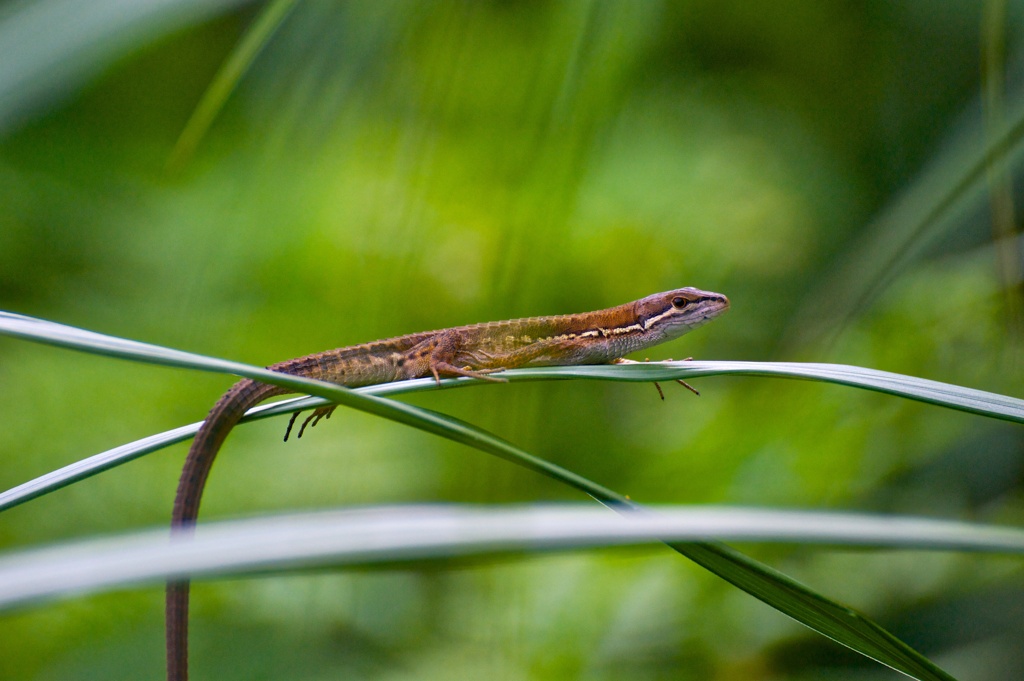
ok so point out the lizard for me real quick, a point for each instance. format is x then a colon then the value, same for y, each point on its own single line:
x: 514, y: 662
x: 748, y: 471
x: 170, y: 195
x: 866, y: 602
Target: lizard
x: 474, y: 351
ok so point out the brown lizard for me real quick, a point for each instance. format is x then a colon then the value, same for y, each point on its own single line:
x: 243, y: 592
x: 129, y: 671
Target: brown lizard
x: 475, y: 351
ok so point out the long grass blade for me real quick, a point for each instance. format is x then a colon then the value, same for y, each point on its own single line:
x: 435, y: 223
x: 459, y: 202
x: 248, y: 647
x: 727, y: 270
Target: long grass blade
x: 933, y: 392
x: 392, y: 535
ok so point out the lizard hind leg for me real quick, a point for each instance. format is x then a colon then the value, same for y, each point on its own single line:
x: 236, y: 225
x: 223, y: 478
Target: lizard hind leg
x: 315, y: 417
x: 311, y: 420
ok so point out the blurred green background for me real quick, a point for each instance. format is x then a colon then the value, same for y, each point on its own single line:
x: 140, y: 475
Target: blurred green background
x: 388, y: 167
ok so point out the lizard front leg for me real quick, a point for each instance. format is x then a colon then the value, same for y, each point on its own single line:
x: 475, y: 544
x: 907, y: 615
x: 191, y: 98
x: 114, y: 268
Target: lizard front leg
x: 443, y: 349
x: 623, y: 360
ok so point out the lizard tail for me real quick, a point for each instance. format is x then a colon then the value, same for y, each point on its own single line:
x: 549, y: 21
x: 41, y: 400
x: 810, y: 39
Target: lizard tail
x: 223, y: 417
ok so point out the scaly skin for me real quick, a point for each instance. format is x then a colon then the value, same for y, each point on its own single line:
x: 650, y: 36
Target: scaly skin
x: 476, y: 350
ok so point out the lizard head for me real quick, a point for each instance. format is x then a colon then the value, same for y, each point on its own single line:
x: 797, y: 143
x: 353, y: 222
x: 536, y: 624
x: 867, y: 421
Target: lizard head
x: 673, y: 313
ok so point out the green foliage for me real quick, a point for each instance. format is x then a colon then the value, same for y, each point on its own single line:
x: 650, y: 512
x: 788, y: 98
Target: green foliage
x: 375, y: 168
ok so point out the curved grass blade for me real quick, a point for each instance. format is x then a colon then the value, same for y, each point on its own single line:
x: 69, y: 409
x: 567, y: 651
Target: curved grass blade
x: 838, y: 622
x: 97, y: 463
x: 391, y: 535
x: 90, y: 466
x: 955, y: 397
x: 932, y: 392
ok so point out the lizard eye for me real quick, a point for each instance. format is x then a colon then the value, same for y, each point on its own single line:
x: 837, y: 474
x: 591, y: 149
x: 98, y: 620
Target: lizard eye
x: 678, y: 302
